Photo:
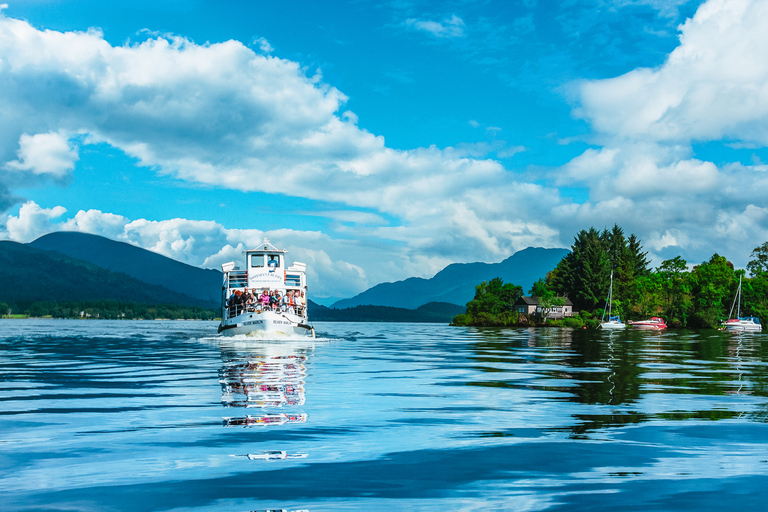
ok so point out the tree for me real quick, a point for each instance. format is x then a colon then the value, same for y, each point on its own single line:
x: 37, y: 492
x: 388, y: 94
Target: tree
x: 713, y: 285
x: 759, y: 263
x: 675, y: 285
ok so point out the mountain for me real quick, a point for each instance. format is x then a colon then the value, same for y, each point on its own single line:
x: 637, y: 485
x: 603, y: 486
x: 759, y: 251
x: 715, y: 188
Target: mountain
x: 28, y: 274
x: 146, y: 266
x: 435, y: 312
x: 456, y: 283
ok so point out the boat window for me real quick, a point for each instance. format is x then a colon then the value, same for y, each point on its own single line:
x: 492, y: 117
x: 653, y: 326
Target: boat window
x: 257, y: 260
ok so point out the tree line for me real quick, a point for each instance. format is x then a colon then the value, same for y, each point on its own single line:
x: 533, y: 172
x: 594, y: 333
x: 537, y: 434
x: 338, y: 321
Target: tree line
x: 106, y: 309
x: 698, y: 296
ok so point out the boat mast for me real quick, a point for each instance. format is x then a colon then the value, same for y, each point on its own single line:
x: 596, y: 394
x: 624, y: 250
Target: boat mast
x: 736, y: 299
x: 608, y: 301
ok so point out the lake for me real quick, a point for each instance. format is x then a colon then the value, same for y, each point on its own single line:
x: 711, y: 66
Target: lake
x: 165, y: 415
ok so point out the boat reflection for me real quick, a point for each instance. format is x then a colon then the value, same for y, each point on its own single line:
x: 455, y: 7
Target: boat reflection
x: 267, y: 376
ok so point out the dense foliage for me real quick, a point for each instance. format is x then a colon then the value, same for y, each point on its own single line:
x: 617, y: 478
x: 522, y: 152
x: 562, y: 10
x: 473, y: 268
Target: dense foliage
x: 492, y: 305
x: 698, y: 297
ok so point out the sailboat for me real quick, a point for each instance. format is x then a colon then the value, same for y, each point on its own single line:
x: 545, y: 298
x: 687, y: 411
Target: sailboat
x: 741, y: 324
x: 614, y: 322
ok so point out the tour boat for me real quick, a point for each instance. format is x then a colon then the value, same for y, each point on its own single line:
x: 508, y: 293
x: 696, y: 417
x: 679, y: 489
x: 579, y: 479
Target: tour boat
x: 265, y: 271
x: 652, y: 324
x: 741, y: 324
x: 614, y: 322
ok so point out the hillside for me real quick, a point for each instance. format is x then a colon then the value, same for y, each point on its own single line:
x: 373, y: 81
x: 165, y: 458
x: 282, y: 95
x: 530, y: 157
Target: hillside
x: 28, y: 274
x: 436, y: 312
x: 146, y: 266
x: 456, y: 283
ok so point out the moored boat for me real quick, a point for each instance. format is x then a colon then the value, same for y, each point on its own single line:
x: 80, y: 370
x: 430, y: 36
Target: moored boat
x: 614, y: 322
x: 268, y: 297
x: 652, y: 324
x: 741, y: 324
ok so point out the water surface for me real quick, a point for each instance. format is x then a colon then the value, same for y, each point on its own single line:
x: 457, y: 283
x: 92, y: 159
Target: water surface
x: 145, y: 416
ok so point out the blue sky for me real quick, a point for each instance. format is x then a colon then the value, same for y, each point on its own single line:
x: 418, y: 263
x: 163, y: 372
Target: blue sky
x: 382, y: 140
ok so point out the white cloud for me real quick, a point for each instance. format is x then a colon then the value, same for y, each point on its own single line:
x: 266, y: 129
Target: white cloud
x: 713, y: 86
x: 45, y: 154
x: 225, y: 116
x: 32, y: 222
x: 449, y: 27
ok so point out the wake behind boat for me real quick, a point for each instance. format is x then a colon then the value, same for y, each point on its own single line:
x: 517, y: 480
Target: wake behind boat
x: 267, y: 297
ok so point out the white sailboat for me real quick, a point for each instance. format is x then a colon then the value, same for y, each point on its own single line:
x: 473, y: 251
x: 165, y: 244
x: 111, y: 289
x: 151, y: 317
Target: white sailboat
x: 614, y: 322
x: 741, y: 324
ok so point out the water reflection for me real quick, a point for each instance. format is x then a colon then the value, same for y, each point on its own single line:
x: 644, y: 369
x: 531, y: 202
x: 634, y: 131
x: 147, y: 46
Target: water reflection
x: 629, y: 377
x: 268, y: 376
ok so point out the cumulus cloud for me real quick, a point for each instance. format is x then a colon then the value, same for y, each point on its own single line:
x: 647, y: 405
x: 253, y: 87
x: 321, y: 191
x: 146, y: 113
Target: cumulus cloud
x: 712, y: 87
x: 225, y: 116
x: 45, y: 154
x: 32, y: 222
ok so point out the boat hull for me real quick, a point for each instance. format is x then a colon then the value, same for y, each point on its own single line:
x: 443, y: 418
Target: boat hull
x: 265, y: 323
x: 649, y: 327
x: 654, y: 324
x: 743, y: 327
x: 613, y: 325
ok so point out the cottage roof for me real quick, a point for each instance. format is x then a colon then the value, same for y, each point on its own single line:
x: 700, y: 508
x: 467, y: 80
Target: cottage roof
x: 534, y: 301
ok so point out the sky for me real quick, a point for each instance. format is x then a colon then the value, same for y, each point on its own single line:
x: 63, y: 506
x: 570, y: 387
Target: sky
x: 380, y: 140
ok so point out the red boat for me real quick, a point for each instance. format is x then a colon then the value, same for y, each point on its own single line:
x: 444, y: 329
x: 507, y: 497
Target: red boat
x: 653, y: 324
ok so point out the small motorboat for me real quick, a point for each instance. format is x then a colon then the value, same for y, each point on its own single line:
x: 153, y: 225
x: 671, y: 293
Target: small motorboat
x: 652, y: 324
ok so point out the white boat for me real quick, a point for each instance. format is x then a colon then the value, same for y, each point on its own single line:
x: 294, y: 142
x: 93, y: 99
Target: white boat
x: 741, y: 324
x: 266, y: 271
x: 614, y: 322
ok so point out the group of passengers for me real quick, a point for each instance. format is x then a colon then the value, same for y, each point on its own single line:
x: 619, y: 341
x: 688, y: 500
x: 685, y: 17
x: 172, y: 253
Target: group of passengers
x: 292, y: 301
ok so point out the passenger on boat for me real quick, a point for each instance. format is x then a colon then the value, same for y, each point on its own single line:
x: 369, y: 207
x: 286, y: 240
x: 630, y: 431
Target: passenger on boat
x: 288, y: 302
x: 235, y: 304
x: 264, y: 299
x: 246, y: 298
x: 273, y: 300
x: 301, y: 302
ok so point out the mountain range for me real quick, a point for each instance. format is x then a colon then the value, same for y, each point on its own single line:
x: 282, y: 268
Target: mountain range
x: 70, y: 266
x: 29, y: 274
x: 455, y: 284
x: 147, y: 266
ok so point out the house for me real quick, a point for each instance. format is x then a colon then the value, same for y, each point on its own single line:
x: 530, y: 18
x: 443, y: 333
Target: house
x: 531, y: 306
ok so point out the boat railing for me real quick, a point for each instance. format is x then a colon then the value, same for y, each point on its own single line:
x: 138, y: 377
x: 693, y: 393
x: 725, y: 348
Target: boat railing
x: 238, y: 309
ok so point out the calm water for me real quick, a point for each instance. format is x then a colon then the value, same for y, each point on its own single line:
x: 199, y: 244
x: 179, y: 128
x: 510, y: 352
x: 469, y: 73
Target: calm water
x: 140, y: 416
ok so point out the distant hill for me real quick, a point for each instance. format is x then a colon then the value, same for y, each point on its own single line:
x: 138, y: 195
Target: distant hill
x: 437, y: 312
x: 29, y: 274
x: 456, y: 283
x: 144, y: 265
